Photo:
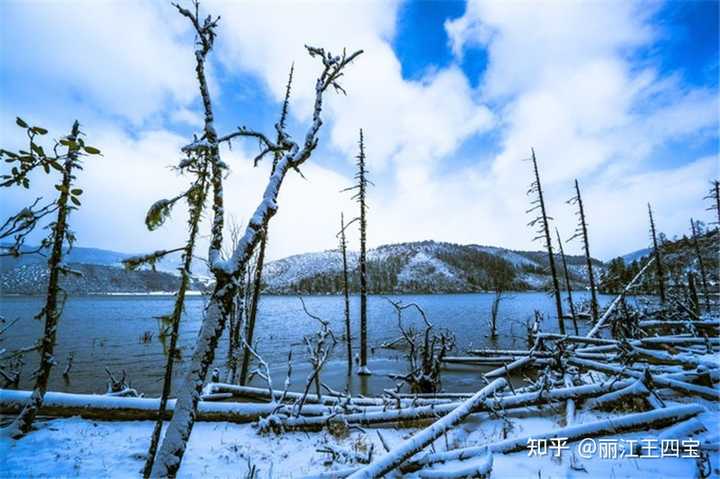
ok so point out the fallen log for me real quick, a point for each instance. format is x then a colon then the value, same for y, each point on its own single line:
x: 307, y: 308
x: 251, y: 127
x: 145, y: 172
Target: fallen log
x: 654, y: 323
x: 477, y: 467
x: 111, y: 408
x: 629, y: 422
x: 422, y: 439
x: 687, y: 361
x: 681, y: 386
x: 429, y: 412
x: 610, y: 400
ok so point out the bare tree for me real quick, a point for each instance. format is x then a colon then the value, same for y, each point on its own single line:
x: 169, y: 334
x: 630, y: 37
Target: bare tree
x: 346, y: 289
x: 425, y: 351
x: 20, y: 225
x: 568, y: 286
x: 257, y: 280
x: 228, y: 273
x: 360, y: 196
x: 658, y: 258
x: 581, y: 231
x: 714, y: 196
x: 197, y: 166
x: 701, y: 264
x: 543, y: 233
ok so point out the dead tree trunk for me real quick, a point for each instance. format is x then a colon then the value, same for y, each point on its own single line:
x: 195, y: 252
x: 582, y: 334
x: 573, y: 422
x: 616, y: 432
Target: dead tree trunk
x: 53, y: 300
x: 544, y: 233
x: 582, y: 231
x: 360, y: 196
x: 714, y: 196
x: 658, y: 258
x: 701, y: 264
x: 346, y: 293
x: 228, y: 273
x: 196, y: 197
x: 567, y: 282
x: 257, y: 280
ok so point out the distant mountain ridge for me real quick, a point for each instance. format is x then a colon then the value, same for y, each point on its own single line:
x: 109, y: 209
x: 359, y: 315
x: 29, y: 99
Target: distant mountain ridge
x: 415, y: 267
x: 421, y: 267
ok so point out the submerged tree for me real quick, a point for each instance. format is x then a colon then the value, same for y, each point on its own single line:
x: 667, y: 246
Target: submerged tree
x: 568, y: 286
x: 259, y: 264
x: 196, y: 165
x: 22, y: 224
x: 360, y: 197
x: 543, y: 233
x: 228, y: 273
x: 581, y: 231
x: 658, y: 258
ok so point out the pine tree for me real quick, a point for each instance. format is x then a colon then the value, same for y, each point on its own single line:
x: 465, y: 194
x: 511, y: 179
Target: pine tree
x: 20, y: 225
x: 543, y: 232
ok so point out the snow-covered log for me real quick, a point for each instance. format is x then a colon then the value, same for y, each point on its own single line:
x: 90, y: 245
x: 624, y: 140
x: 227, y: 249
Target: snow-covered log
x: 477, y: 467
x: 629, y: 422
x: 113, y: 408
x: 609, y: 400
x: 214, y: 391
x: 507, y: 368
x: 681, y: 386
x: 422, y: 439
x: 429, y: 412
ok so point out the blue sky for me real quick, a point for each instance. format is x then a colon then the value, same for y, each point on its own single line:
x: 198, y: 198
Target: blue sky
x: 621, y: 95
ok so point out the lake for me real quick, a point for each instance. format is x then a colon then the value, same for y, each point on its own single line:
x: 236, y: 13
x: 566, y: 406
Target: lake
x: 106, y: 331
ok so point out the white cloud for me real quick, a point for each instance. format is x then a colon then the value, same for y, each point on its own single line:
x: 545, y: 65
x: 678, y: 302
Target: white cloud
x: 405, y: 121
x: 128, y: 58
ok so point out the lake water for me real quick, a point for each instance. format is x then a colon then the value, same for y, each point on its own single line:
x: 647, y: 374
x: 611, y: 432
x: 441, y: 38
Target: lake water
x: 106, y: 331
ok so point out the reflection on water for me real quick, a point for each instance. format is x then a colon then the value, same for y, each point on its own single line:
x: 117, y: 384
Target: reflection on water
x: 109, y: 332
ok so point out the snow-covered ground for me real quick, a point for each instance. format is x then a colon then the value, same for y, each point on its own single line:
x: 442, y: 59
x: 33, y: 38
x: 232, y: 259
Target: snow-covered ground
x: 76, y: 447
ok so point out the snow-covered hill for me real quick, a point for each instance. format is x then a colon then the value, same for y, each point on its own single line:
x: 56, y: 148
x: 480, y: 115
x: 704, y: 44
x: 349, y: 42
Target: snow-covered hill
x: 426, y: 266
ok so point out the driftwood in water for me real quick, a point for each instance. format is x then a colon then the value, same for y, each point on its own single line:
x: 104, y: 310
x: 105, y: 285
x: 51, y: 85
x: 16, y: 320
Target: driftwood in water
x: 422, y: 439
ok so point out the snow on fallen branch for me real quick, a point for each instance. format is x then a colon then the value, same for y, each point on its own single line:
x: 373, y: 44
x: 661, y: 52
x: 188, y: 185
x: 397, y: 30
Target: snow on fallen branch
x: 419, y: 441
x: 629, y: 422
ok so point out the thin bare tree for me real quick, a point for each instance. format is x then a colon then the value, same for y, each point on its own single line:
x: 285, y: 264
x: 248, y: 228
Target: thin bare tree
x: 714, y: 196
x: 660, y: 271
x: 694, y: 229
x: 257, y: 279
x: 197, y: 166
x: 228, y: 273
x: 360, y: 196
x: 568, y: 286
x: 582, y: 232
x: 20, y: 225
x: 543, y: 233
x: 346, y: 289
